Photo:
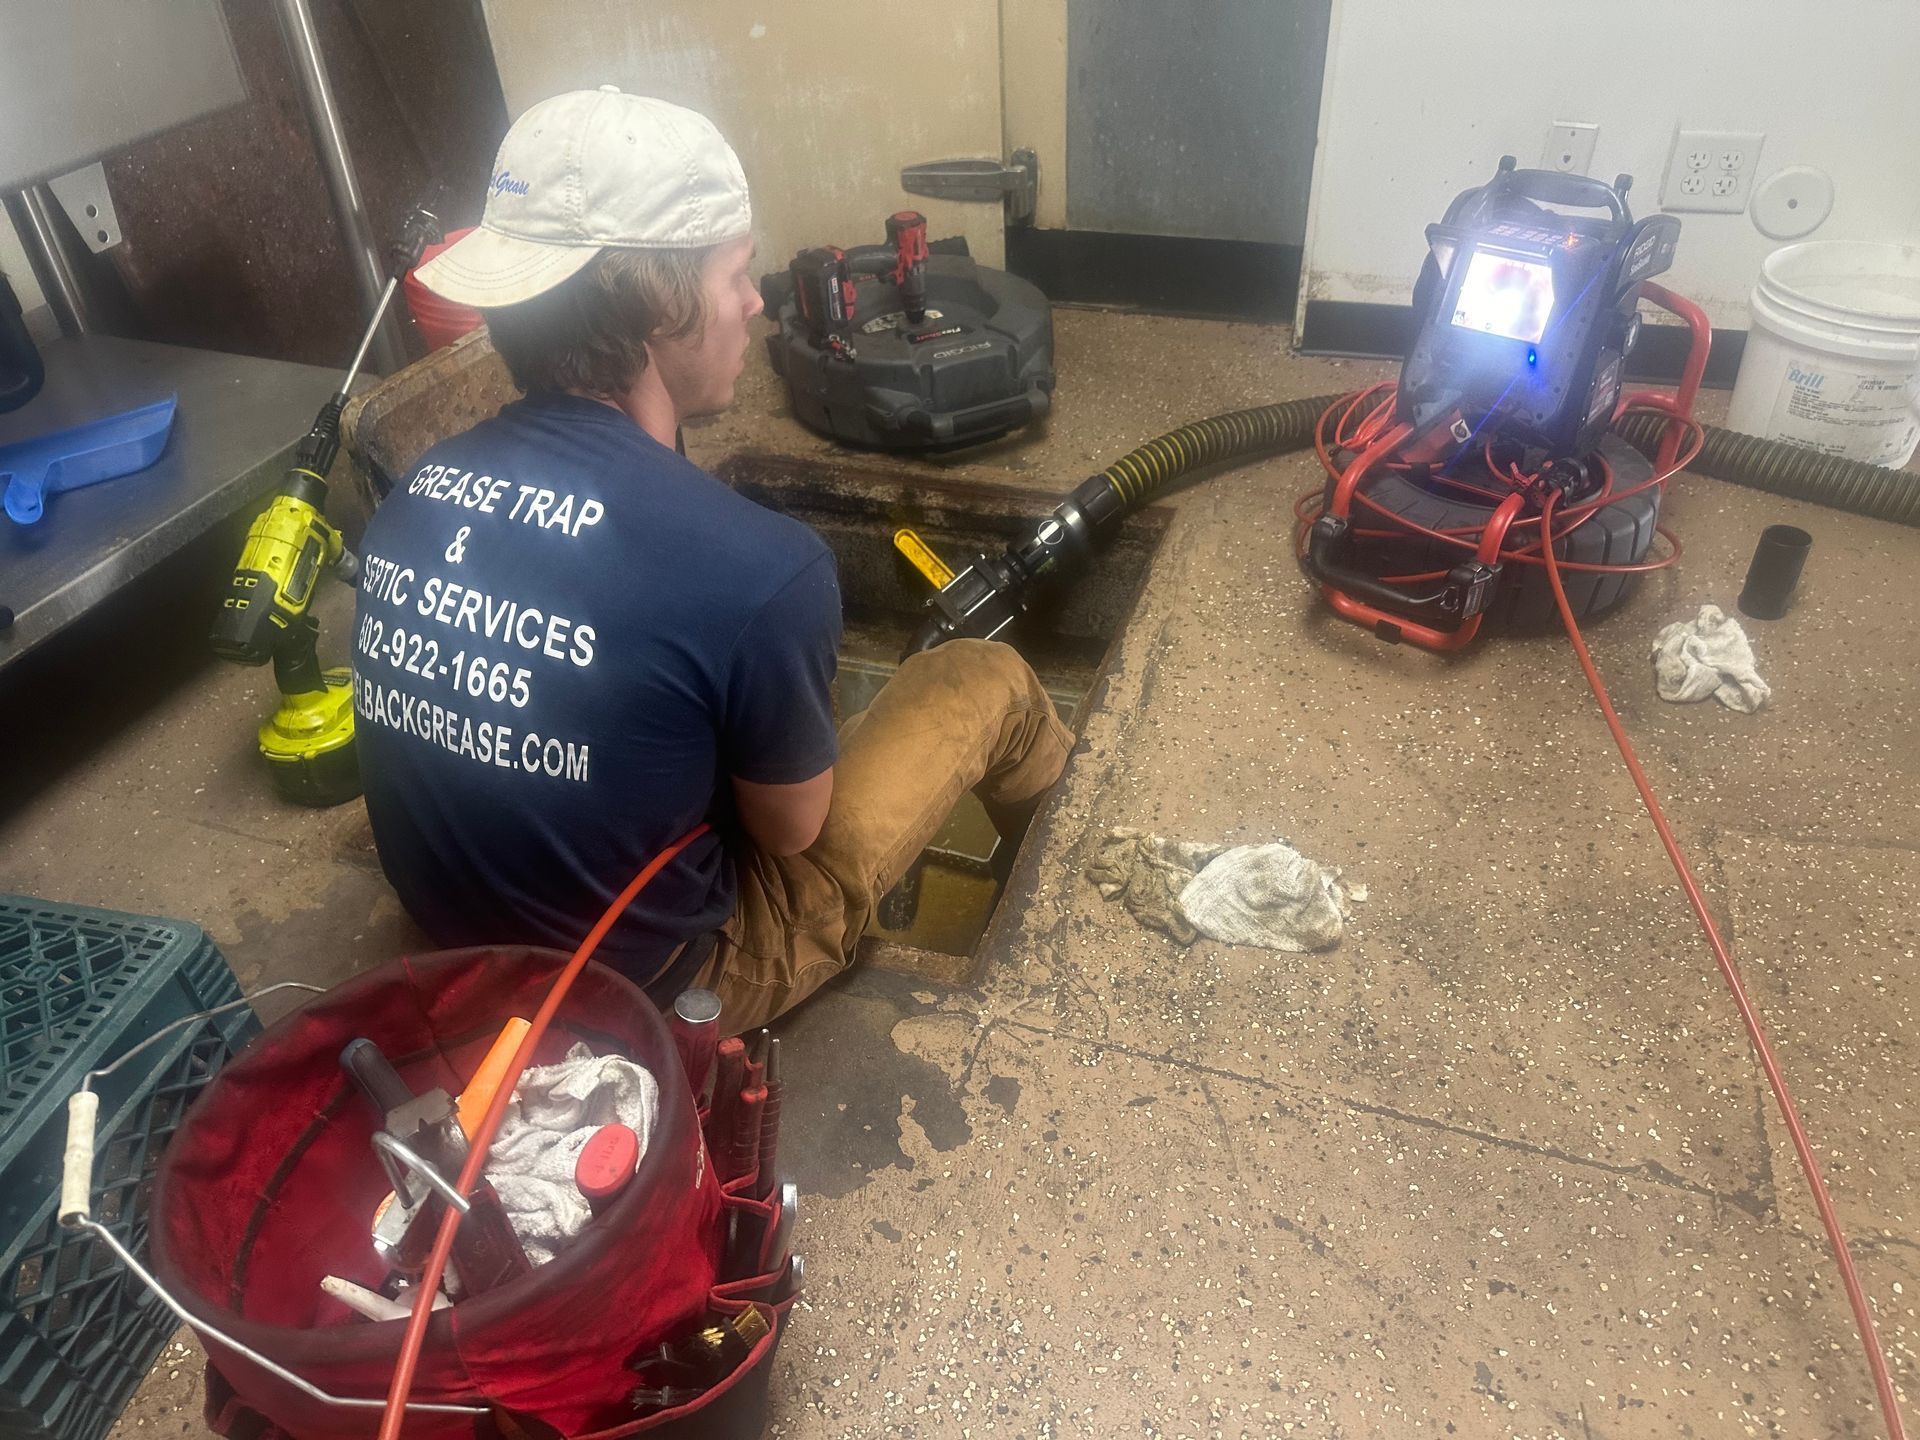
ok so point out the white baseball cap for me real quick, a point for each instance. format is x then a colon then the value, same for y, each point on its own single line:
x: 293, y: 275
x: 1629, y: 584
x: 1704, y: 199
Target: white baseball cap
x: 586, y: 171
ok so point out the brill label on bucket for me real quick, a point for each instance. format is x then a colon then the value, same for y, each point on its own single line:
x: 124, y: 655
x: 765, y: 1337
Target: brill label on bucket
x: 1845, y: 412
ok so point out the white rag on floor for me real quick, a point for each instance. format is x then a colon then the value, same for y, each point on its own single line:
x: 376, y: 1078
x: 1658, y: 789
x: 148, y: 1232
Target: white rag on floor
x: 1268, y: 895
x: 1708, y: 655
x: 554, y: 1112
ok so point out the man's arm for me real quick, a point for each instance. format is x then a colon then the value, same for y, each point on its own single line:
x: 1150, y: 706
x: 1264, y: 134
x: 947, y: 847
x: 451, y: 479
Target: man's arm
x: 777, y: 743
x: 784, y: 819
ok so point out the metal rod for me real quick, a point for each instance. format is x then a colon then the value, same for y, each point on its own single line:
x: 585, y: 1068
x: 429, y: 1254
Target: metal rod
x: 414, y: 1161
x: 330, y: 141
x: 379, y: 314
x: 247, y: 1352
x: 32, y: 210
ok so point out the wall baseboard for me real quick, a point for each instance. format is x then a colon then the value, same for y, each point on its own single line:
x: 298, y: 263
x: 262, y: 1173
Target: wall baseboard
x: 1219, y: 279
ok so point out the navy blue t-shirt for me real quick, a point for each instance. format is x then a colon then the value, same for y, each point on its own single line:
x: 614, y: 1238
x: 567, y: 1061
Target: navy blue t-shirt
x: 568, y: 638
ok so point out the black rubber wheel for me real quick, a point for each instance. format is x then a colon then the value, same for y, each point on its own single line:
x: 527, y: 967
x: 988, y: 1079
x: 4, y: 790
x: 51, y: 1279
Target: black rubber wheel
x: 1618, y: 534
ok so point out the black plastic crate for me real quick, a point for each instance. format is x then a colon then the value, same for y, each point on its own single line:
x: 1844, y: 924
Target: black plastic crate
x: 78, y: 988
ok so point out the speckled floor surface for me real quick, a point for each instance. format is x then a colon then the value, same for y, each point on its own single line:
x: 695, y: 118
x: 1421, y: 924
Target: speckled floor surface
x: 1499, y: 1165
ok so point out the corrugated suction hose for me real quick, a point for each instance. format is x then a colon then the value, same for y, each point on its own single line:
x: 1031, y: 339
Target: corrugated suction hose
x: 1769, y: 465
x: 986, y: 596
x: 1141, y: 474
x: 1780, y: 469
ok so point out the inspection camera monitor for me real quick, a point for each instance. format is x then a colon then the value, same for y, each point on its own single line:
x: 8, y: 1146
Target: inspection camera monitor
x: 1526, y: 313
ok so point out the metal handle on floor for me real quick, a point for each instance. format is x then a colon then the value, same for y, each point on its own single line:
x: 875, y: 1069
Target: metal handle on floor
x: 75, y: 1213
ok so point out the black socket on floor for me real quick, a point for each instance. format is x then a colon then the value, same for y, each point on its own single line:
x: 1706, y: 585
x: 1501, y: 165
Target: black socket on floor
x: 1777, y: 561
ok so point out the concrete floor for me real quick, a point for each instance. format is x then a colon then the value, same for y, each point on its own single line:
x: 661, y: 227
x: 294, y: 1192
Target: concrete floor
x: 1501, y: 1164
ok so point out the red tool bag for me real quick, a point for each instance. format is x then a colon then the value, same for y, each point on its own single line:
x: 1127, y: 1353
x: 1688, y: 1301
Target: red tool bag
x: 271, y: 1183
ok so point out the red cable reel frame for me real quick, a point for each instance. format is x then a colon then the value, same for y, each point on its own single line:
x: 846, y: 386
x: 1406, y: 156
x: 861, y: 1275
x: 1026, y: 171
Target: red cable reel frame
x: 1383, y: 447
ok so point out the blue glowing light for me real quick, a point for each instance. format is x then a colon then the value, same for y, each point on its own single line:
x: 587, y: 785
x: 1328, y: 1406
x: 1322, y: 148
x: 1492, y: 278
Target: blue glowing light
x: 1533, y: 356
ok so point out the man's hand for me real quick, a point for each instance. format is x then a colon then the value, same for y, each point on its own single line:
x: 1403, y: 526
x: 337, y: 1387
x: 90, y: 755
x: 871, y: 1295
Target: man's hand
x: 784, y: 819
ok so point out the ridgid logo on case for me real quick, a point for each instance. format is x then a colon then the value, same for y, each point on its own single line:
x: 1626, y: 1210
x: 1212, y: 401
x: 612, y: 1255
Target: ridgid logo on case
x: 505, y: 184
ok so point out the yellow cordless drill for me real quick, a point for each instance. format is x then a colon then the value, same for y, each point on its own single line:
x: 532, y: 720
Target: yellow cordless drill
x: 308, y: 741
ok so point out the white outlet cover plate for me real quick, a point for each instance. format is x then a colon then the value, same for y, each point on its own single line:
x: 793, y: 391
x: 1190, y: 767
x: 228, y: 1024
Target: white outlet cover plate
x: 1792, y: 202
x: 1710, y: 156
x: 1569, y: 147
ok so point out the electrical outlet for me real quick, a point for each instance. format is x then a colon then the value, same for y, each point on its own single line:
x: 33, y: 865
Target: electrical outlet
x: 1711, y: 170
x: 1569, y: 146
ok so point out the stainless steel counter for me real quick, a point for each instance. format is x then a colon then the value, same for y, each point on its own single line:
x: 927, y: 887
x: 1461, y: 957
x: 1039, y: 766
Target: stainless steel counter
x: 238, y: 419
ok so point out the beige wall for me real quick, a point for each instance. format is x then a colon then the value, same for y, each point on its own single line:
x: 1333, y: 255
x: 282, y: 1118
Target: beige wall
x: 823, y: 102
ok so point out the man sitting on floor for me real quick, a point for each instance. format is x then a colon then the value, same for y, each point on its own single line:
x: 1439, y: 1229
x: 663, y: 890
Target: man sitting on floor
x: 573, y: 645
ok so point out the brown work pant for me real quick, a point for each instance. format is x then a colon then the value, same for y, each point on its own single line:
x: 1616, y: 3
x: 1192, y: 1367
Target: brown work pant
x: 970, y: 715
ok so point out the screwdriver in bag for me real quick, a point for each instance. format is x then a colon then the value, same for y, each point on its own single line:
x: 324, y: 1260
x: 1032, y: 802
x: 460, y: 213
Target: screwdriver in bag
x: 743, y: 1152
x: 730, y: 1068
x: 769, y: 1154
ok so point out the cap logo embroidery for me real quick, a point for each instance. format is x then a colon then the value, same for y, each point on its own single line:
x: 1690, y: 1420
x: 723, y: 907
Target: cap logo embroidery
x: 503, y: 183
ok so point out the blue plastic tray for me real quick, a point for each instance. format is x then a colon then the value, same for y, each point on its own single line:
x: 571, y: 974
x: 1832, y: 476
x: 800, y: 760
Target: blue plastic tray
x: 85, y: 455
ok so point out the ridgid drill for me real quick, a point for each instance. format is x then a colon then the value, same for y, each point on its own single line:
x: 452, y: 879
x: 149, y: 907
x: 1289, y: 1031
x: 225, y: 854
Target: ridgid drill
x: 266, y: 615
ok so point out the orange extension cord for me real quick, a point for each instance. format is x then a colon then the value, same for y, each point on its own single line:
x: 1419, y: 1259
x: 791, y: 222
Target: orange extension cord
x: 1362, y: 418
x: 1749, y: 1017
x: 429, y: 1285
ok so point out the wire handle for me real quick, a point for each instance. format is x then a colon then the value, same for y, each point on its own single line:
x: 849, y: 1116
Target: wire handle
x: 1556, y: 187
x: 83, y: 1109
x: 76, y: 1213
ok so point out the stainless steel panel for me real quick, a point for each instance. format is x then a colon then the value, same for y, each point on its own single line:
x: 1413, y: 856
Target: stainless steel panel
x: 32, y: 212
x: 1194, y: 119
x: 83, y: 78
x: 239, y: 419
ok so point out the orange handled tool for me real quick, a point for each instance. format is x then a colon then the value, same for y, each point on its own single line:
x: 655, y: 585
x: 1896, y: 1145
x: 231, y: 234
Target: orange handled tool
x: 729, y: 1073
x: 492, y: 1070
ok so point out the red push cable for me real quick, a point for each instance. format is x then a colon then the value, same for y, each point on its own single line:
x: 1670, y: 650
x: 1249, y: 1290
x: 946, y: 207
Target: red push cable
x: 1338, y: 429
x: 1856, y: 1296
x: 429, y: 1285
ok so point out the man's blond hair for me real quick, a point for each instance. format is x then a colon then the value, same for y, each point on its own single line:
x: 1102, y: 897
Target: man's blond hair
x: 588, y: 334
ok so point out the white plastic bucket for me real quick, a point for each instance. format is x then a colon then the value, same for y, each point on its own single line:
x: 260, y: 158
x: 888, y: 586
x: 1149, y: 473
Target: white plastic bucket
x: 1833, y: 353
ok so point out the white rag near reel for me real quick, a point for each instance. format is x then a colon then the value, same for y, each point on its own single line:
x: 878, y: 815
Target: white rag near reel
x: 1708, y: 655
